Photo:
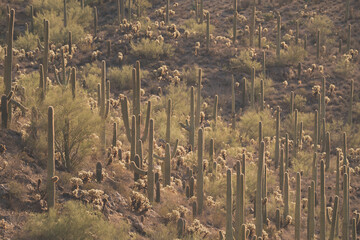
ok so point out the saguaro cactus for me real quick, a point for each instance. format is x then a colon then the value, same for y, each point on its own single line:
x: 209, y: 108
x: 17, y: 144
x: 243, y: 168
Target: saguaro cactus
x: 233, y: 113
x: 278, y: 36
x: 277, y: 140
x: 318, y: 45
x: 234, y: 20
x: 95, y: 21
x: 229, y: 227
x: 311, y: 211
x: 351, y: 101
x: 215, y: 111
x: 190, y: 126
x: 65, y: 14
x: 298, y: 207
x: 198, y: 100
x: 261, y: 95
x: 252, y: 97
x: 281, y: 170
x: 200, y: 176
x: 345, y: 225
x: 99, y: 176
x: 240, y: 201
x: 252, y: 25
x: 259, y: 185
x: 207, y: 31
x: 348, y: 38
x: 51, y: 159
x: 167, y: 12
x: 327, y: 150
x: 322, y: 201
x: 9, y: 58
x: 286, y: 197
x: 334, y: 218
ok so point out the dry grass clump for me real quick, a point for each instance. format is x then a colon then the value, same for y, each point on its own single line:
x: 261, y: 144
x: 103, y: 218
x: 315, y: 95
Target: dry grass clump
x: 150, y: 49
x: 73, y: 221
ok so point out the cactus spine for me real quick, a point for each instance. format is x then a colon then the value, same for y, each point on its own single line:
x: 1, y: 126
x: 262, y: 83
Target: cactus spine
x: 200, y: 177
x: 277, y: 141
x: 229, y: 227
x: 259, y: 200
x: 298, y: 207
x: 51, y: 159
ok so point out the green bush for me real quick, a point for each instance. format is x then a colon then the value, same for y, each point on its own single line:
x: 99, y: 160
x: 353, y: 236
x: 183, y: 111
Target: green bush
x: 189, y: 75
x: 245, y: 61
x: 322, y: 23
x: 299, y: 102
x: 291, y: 56
x: 122, y: 78
x: 74, y: 221
x: 249, y: 124
x: 149, y: 49
x: 196, y: 28
x: 345, y: 66
x: 78, y: 20
x: 27, y: 41
x: 91, y: 73
x: 83, y: 121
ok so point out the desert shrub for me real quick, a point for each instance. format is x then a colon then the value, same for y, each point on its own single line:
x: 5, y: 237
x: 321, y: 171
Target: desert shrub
x: 121, y: 78
x: 163, y: 232
x: 245, y: 61
x: 78, y: 20
x: 299, y: 102
x: 2, y: 53
x: 91, y: 73
x: 345, y: 66
x: 16, y: 190
x: 149, y: 49
x: 27, y: 41
x: 322, y: 23
x: 83, y: 121
x: 352, y: 132
x: 249, y: 123
x: 189, y: 75
x: 196, y: 28
x: 222, y: 134
x: 74, y: 221
x: 308, y: 124
x: 180, y: 96
x: 144, y: 4
x: 291, y: 56
x: 268, y: 89
x: 303, y: 162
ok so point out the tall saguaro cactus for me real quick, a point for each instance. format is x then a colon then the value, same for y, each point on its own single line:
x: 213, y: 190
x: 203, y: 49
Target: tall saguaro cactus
x: 278, y: 36
x: 277, y: 140
x: 190, y: 126
x: 207, y: 31
x: 351, y: 102
x: 65, y: 14
x: 233, y: 113
x: 240, y: 201
x: 9, y: 56
x: 322, y: 201
x: 234, y: 20
x: 198, y: 100
x: 252, y: 25
x: 229, y: 227
x: 200, y: 174
x: 259, y: 185
x: 51, y: 159
x: 298, y: 207
x: 345, y: 225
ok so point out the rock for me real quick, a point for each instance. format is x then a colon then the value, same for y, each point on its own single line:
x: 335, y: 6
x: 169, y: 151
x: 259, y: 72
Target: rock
x: 4, y: 190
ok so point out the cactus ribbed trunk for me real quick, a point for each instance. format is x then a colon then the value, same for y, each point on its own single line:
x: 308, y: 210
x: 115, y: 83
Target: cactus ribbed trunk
x: 259, y: 200
x: 298, y: 207
x: 207, y: 31
x: 252, y: 25
x: 278, y: 36
x: 345, y: 225
x: 233, y: 113
x: 322, y: 201
x: 167, y: 164
x: 51, y: 159
x: 229, y: 227
x: 198, y: 100
x: 150, y: 175
x: 277, y: 140
x: 200, y: 177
